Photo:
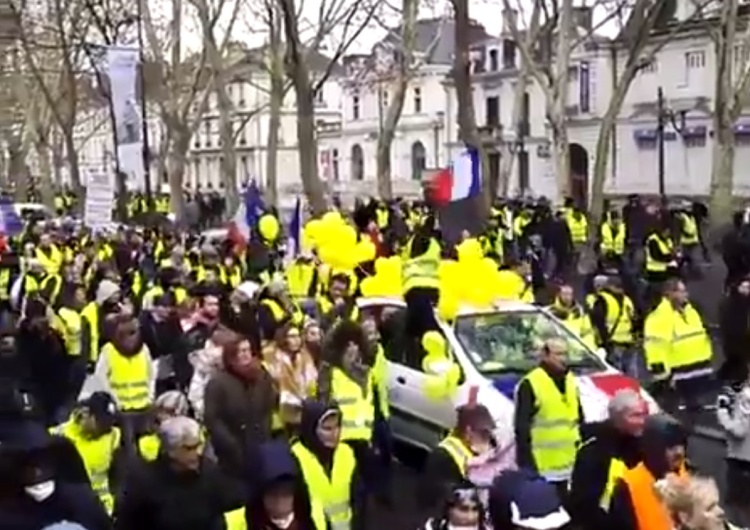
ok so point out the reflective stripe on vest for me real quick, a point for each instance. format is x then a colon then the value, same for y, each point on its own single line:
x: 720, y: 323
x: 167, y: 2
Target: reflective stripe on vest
x: 357, y: 406
x: 554, y: 428
x: 619, y: 318
x: 458, y: 452
x: 129, y: 378
x: 332, y: 493
x: 72, y: 323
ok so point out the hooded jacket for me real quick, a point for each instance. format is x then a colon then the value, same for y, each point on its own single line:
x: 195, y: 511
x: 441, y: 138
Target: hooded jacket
x: 659, y: 434
x: 276, y: 464
x: 312, y: 413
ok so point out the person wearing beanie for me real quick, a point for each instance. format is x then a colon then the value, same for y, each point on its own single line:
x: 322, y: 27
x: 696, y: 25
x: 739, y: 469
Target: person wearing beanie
x: 93, y: 335
x: 524, y: 500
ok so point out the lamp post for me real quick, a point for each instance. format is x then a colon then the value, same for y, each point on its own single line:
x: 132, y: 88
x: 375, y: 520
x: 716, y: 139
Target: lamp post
x: 144, y: 112
x: 662, y: 115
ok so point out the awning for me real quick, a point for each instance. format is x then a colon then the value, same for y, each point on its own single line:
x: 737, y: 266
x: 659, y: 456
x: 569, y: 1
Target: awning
x: 698, y: 131
x: 742, y: 129
x: 645, y: 135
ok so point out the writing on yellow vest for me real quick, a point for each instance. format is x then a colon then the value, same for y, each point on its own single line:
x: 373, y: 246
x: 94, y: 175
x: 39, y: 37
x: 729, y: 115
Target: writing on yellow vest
x: 356, y: 404
x: 129, y: 378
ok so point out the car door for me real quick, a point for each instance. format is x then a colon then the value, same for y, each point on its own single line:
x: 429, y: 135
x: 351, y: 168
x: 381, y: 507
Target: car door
x: 415, y: 418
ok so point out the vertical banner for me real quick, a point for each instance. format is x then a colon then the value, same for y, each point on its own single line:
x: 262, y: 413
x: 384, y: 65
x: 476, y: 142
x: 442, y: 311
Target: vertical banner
x: 584, y: 77
x: 122, y: 63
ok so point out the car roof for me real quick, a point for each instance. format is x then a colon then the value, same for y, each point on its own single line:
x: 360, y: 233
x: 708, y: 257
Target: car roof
x: 504, y: 306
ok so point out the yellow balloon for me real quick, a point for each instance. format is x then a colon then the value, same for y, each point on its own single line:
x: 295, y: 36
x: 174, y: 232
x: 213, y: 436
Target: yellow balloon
x: 312, y: 228
x: 332, y: 217
x: 365, y: 251
x: 447, y: 307
x: 369, y: 287
x: 268, y: 226
x: 469, y: 250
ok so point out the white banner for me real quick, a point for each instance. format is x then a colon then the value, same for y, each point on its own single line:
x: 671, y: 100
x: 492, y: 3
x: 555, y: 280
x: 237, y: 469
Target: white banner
x: 100, y: 200
x: 122, y: 65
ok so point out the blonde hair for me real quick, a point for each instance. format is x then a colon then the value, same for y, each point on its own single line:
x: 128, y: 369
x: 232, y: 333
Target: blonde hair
x: 685, y: 494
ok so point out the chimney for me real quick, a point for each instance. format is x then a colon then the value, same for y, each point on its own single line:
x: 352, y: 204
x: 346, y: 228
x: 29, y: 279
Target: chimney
x: 583, y: 17
x: 510, y: 19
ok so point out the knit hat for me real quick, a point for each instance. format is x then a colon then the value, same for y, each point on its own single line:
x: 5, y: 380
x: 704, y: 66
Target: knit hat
x: 532, y: 502
x: 102, y: 407
x: 106, y: 290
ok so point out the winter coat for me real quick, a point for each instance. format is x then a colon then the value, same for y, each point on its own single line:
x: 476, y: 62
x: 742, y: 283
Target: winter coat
x: 206, y: 362
x: 735, y: 420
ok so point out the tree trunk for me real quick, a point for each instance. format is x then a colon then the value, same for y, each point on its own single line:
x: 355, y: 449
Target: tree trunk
x: 722, y: 175
x: 46, y: 189
x: 19, y: 174
x: 467, y: 124
x: 75, y: 170
x: 307, y: 145
x: 561, y: 149
x: 274, y: 123
x: 176, y: 171
x: 228, y: 159
x: 386, y: 136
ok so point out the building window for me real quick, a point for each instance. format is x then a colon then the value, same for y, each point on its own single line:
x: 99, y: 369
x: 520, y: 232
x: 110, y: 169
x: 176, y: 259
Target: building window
x: 207, y: 127
x: 509, y: 54
x: 355, y: 105
x: 417, y: 100
x: 695, y: 59
x: 358, y: 163
x: 492, y: 117
x: 418, y: 160
x: 197, y: 173
x: 494, y: 63
x: 384, y: 99
x: 335, y: 164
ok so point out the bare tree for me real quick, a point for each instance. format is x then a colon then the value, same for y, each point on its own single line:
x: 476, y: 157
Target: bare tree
x: 53, y: 50
x: 347, y: 19
x: 396, y: 61
x: 645, y: 33
x: 547, y: 58
x: 468, y: 132
x: 730, y: 33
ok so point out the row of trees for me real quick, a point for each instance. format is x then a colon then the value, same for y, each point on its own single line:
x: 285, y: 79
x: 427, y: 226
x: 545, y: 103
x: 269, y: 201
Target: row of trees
x: 55, y: 52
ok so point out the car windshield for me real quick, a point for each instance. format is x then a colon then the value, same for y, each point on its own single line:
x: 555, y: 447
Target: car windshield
x: 507, y: 341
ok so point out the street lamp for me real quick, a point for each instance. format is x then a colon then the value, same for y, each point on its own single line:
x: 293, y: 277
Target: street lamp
x: 662, y: 115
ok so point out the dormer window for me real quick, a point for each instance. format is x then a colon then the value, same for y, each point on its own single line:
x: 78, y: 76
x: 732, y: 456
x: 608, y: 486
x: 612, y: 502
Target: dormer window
x: 494, y: 62
x: 509, y: 54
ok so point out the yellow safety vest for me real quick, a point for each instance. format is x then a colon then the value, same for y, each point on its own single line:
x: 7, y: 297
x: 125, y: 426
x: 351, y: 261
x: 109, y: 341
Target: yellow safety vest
x: 578, y: 228
x: 678, y: 340
x: 519, y: 225
x: 97, y: 456
x: 57, y: 282
x: 234, y: 276
x: 50, y: 262
x: 129, y: 378
x: 91, y: 314
x: 279, y: 314
x: 689, y: 232
x: 580, y: 324
x: 180, y: 294
x: 619, y: 318
x: 331, y: 494
x: 71, y: 321
x: 421, y: 271
x: 300, y: 278
x: 326, y: 306
x: 357, y: 406
x: 457, y: 451
x: 30, y: 284
x: 5, y: 285
x: 613, y: 240
x: 379, y: 375
x: 554, y: 429
x: 382, y: 215
x: 148, y: 447
x: 201, y: 273
x: 617, y: 469
x: 665, y: 245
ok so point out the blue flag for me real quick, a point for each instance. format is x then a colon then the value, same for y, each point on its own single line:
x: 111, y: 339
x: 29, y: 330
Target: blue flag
x: 254, y: 206
x: 295, y: 231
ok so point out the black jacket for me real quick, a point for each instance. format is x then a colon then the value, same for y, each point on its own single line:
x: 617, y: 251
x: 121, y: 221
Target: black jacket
x: 158, y: 497
x: 601, y: 444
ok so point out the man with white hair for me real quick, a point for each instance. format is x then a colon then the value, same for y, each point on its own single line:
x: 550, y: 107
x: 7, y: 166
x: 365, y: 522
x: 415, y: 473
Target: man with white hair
x: 611, y: 447
x: 180, y: 489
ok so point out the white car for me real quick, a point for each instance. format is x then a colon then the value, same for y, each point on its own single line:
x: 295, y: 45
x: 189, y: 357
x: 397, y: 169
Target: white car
x: 494, y: 349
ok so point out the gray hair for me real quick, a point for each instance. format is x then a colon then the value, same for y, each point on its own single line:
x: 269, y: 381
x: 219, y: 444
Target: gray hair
x: 624, y: 401
x: 173, y: 401
x: 177, y: 431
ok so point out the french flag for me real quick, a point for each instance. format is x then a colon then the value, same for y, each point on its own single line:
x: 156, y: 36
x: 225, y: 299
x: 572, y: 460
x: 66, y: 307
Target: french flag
x: 246, y: 217
x: 294, y: 237
x: 462, y: 180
